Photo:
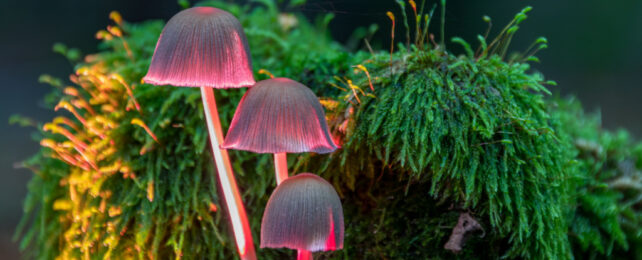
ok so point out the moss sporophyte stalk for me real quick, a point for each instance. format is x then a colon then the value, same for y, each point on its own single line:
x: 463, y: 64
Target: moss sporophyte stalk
x: 429, y: 138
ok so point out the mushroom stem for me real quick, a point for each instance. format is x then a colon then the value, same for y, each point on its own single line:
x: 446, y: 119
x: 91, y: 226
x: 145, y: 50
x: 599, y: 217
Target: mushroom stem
x: 281, y: 167
x: 235, y: 208
x: 303, y: 254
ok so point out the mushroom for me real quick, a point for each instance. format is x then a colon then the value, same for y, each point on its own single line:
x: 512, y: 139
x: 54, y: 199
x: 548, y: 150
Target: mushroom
x: 304, y: 213
x: 206, y: 47
x: 279, y: 116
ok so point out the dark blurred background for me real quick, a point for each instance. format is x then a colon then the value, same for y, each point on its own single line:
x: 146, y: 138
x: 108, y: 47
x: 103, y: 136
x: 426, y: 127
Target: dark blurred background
x: 595, y: 53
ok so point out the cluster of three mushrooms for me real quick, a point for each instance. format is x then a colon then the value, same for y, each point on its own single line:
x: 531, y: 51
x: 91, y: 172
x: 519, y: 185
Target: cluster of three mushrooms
x: 206, y: 47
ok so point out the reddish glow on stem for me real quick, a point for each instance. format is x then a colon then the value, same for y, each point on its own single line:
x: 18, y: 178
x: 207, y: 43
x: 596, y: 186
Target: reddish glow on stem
x: 240, y: 224
x: 304, y: 255
x: 281, y: 167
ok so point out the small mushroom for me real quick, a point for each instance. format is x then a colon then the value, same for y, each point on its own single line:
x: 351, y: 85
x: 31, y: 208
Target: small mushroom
x: 202, y: 47
x: 304, y: 213
x: 206, y: 47
x: 279, y: 116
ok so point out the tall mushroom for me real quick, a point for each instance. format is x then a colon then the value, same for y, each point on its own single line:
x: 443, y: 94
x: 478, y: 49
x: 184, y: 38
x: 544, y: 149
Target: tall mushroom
x: 304, y: 213
x: 279, y: 116
x: 206, y: 47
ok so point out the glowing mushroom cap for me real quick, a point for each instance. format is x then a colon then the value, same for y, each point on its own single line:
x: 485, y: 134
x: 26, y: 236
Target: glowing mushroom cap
x: 303, y: 213
x: 202, y: 46
x: 279, y: 115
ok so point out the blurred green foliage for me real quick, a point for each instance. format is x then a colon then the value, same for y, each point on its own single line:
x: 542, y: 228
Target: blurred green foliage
x: 606, y: 213
x: 426, y: 135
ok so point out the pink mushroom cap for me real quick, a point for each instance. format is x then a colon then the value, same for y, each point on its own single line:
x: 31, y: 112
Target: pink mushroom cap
x: 202, y: 47
x: 304, y: 213
x: 279, y: 115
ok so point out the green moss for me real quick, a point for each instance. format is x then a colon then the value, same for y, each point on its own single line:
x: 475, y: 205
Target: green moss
x: 606, y: 215
x: 473, y: 134
x: 440, y: 134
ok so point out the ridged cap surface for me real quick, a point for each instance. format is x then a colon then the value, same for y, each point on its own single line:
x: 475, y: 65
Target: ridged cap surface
x: 304, y: 212
x: 279, y: 115
x: 202, y: 46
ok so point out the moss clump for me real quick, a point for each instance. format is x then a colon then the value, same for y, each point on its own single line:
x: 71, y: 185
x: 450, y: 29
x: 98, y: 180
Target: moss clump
x: 606, y: 213
x: 438, y: 134
x: 469, y: 132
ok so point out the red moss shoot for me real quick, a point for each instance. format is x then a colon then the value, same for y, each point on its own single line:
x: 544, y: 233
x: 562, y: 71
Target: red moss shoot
x: 202, y: 46
x: 392, y: 37
x: 279, y: 115
x: 304, y: 213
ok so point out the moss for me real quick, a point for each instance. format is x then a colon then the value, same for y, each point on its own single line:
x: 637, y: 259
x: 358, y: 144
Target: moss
x: 606, y: 213
x: 467, y: 132
x: 437, y: 135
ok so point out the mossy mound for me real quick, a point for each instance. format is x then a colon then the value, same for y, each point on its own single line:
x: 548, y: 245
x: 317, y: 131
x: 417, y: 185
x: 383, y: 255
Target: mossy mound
x: 427, y: 136
x: 467, y: 133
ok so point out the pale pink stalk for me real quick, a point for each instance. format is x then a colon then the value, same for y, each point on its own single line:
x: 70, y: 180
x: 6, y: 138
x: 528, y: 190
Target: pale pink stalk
x: 281, y: 167
x: 206, y: 47
x: 235, y: 208
x: 303, y: 254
